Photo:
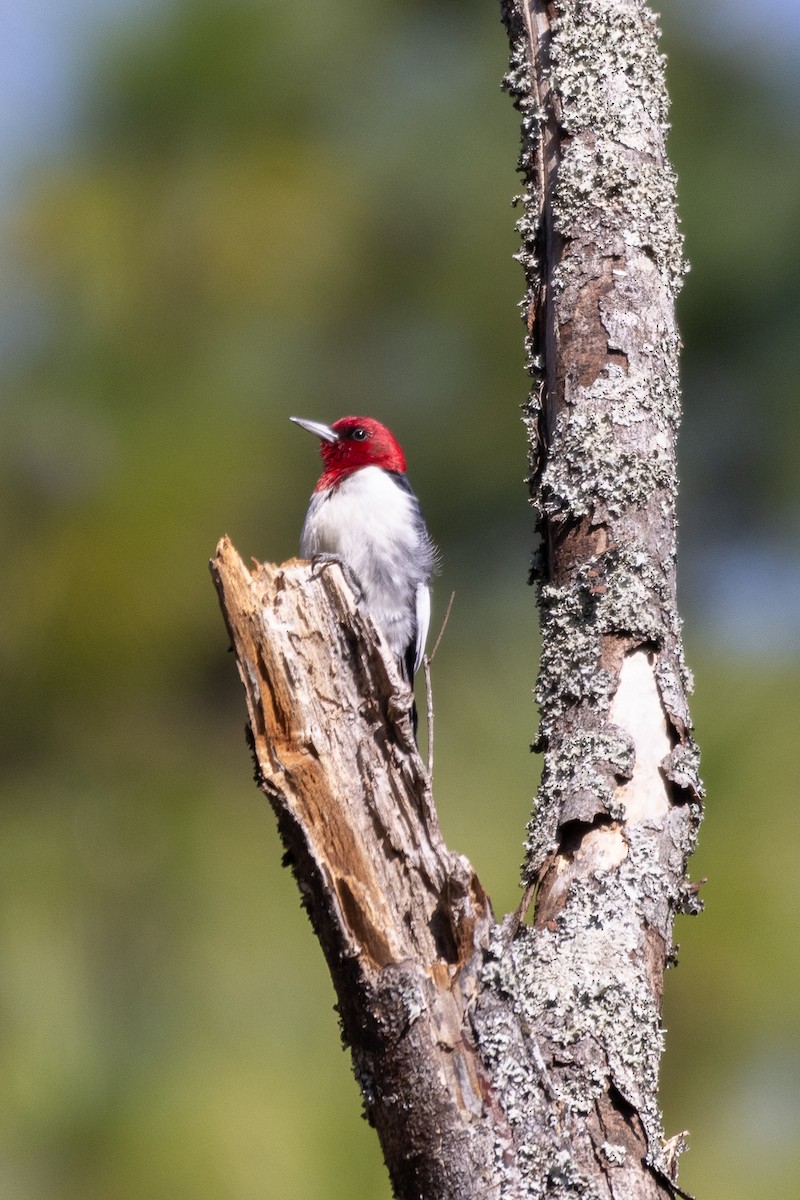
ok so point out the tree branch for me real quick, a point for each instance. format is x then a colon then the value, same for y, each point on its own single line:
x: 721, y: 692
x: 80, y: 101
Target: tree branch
x: 618, y: 808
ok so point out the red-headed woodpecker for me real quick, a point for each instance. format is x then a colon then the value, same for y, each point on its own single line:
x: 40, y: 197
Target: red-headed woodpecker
x: 364, y: 513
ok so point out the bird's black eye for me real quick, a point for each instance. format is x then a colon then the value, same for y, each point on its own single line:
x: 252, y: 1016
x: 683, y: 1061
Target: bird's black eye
x: 359, y: 434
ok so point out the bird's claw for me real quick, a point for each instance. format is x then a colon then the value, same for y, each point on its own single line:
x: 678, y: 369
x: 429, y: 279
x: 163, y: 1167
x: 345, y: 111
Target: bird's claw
x: 320, y: 561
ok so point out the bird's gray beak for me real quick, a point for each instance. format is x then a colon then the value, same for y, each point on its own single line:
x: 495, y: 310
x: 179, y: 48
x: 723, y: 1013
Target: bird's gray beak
x: 322, y: 431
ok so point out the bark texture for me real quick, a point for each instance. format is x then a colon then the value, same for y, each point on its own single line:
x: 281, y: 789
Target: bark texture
x: 511, y: 1061
x: 401, y: 919
x: 619, y: 804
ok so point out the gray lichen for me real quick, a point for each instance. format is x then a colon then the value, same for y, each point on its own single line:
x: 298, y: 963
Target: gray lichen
x: 591, y: 465
x: 568, y: 672
x: 582, y: 998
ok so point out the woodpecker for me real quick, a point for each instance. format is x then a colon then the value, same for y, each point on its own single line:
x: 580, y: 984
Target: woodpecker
x: 364, y: 513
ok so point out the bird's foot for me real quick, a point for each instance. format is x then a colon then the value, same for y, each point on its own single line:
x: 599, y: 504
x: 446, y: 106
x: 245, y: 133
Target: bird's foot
x: 320, y: 561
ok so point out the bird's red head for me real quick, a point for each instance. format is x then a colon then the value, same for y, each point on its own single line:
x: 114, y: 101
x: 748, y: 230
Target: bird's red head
x: 352, y: 443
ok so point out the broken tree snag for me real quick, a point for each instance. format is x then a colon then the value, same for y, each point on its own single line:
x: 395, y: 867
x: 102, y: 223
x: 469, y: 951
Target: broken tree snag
x: 617, y: 812
x: 401, y: 919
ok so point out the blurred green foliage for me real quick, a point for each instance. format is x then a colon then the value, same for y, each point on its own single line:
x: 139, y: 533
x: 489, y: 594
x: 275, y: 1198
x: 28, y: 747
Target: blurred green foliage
x: 270, y: 209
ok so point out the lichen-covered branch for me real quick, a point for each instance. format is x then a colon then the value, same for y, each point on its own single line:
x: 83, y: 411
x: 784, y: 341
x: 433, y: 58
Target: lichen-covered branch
x: 619, y: 804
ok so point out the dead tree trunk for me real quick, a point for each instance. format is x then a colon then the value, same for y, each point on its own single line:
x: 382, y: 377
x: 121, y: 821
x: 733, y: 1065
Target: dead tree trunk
x: 506, y: 1060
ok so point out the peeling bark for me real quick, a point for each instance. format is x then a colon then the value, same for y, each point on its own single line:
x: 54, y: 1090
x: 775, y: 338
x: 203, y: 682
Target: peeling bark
x: 506, y: 1060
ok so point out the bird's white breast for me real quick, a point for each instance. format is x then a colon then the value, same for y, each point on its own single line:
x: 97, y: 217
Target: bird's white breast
x: 374, y: 525
x: 366, y: 514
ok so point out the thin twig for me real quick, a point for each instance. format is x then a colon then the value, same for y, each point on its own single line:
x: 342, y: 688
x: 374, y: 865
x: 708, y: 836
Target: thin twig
x: 444, y: 626
x: 427, y: 660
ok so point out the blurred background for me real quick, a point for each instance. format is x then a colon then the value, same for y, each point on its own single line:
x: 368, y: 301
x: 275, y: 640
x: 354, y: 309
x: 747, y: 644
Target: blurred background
x: 218, y: 213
